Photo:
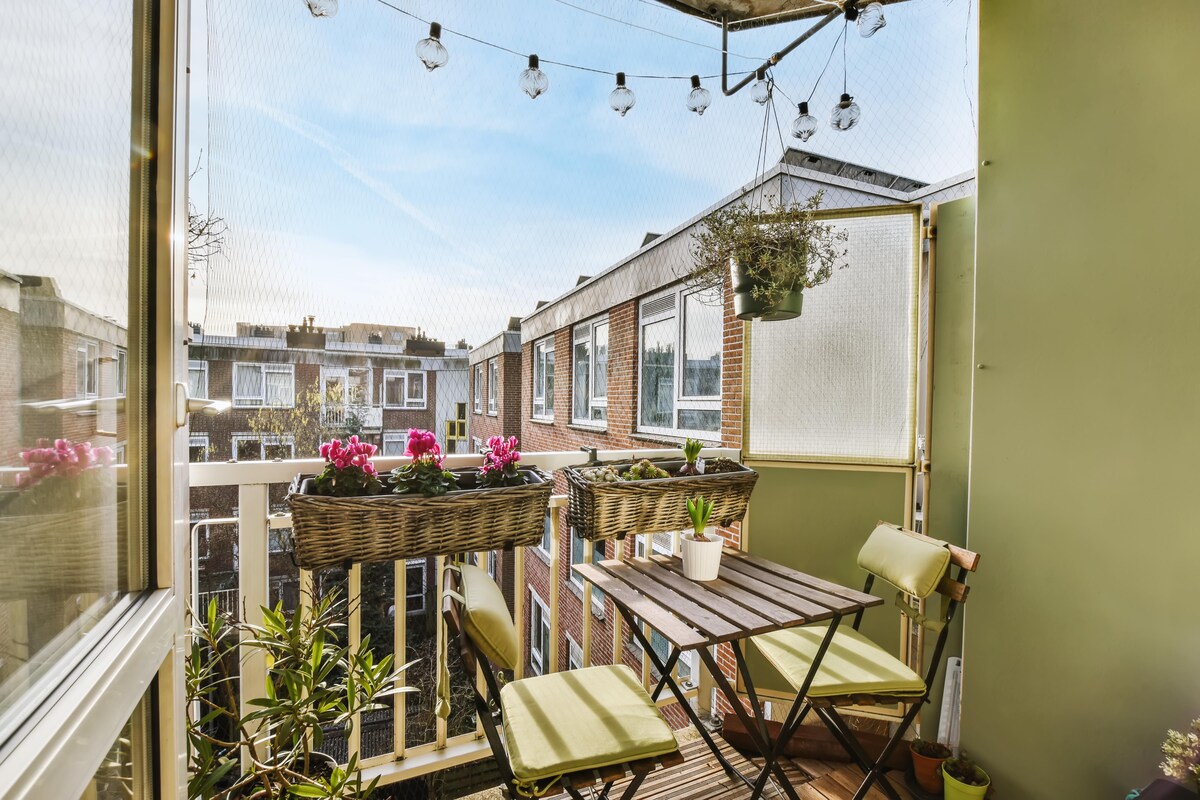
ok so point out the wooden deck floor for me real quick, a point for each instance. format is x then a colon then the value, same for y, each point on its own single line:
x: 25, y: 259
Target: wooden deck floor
x: 700, y: 777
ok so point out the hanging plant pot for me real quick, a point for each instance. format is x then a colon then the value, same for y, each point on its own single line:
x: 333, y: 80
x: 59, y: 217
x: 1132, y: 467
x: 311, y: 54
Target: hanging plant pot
x: 746, y: 306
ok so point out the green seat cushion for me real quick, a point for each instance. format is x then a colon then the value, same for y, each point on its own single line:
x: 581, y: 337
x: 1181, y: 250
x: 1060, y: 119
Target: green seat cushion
x: 853, y: 664
x: 912, y: 563
x: 486, y: 619
x: 581, y: 719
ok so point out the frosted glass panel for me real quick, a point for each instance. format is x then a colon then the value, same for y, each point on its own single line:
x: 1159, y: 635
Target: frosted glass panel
x: 839, y: 382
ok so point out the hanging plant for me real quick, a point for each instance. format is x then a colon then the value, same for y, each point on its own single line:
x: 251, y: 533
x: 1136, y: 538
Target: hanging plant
x: 772, y: 255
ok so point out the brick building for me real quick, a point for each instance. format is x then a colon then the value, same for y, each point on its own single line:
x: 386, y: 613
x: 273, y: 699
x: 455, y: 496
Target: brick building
x: 496, y: 381
x: 634, y: 358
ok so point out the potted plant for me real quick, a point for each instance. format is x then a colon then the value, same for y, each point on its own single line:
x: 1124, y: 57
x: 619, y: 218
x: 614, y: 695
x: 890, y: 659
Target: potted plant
x: 348, y: 470
x: 701, y: 547
x: 644, y: 470
x: 1181, y: 765
x: 315, y: 684
x: 927, y: 758
x: 425, y: 474
x: 770, y: 256
x: 964, y: 779
x: 691, y: 455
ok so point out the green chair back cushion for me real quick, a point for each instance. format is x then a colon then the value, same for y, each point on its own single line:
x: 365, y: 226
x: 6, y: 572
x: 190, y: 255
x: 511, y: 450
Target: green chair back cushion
x: 912, y: 563
x: 486, y: 619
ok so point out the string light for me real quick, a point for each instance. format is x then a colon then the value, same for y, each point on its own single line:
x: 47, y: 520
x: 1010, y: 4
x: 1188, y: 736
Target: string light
x: 760, y: 92
x: 322, y: 8
x: 845, y: 114
x: 431, y: 51
x: 699, y: 98
x: 805, y: 124
x: 622, y: 98
x: 533, y: 81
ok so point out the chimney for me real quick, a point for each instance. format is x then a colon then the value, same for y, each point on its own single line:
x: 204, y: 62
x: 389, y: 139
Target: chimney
x: 306, y: 336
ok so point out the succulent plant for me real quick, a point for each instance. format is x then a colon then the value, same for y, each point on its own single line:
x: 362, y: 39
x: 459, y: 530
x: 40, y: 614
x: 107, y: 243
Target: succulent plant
x: 644, y: 471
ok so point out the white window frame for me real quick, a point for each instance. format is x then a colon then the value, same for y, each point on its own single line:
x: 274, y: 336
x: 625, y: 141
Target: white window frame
x: 478, y: 388
x: 122, y: 367
x: 575, y: 577
x: 392, y: 437
x: 540, y: 410
x: 264, y: 440
x: 405, y: 375
x: 547, y: 534
x: 202, y: 368
x: 492, y: 563
x: 586, y: 333
x: 409, y: 593
x: 493, y: 386
x: 574, y: 654
x: 538, y: 610
x: 681, y: 401
x: 199, y: 440
x: 260, y: 401
x: 87, y: 358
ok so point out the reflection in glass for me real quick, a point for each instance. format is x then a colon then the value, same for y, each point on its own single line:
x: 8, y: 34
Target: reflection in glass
x: 702, y: 323
x: 580, y: 388
x: 658, y: 374
x: 123, y: 772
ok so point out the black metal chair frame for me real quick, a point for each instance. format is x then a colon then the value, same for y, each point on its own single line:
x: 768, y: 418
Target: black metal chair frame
x: 487, y: 706
x: 956, y: 591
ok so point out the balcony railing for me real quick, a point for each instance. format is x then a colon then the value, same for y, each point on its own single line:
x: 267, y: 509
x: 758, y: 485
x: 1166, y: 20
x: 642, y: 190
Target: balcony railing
x: 370, y: 418
x: 254, y: 525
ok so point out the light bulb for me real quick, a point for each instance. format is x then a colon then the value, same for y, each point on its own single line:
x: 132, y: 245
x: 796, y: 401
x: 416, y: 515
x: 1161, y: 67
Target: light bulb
x: 322, y: 8
x: 760, y: 92
x: 533, y: 81
x: 845, y: 114
x: 870, y: 20
x: 699, y: 98
x: 431, y: 51
x: 805, y: 125
x: 622, y: 98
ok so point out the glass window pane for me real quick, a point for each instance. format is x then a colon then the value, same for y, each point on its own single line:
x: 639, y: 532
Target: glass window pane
x: 581, y: 379
x: 691, y: 420
x: 702, y: 323
x: 279, y: 389
x: 550, y: 382
x: 658, y: 374
x: 600, y: 372
x: 125, y: 770
x: 393, y: 390
x: 71, y: 533
x: 247, y: 383
x: 416, y: 388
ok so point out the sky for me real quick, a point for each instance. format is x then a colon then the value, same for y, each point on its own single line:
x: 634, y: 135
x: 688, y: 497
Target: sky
x: 357, y: 186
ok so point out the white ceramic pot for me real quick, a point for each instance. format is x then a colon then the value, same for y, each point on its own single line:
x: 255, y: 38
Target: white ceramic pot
x: 702, y: 560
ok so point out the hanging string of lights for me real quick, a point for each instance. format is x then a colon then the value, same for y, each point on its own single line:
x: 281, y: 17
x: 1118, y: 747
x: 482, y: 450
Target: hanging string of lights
x: 534, y: 82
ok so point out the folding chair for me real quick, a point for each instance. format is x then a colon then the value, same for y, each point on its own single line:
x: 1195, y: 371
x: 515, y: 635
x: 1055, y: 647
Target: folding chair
x: 563, y: 731
x: 855, y: 670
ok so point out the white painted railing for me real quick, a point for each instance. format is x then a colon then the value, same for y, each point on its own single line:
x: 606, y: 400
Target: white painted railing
x: 254, y: 522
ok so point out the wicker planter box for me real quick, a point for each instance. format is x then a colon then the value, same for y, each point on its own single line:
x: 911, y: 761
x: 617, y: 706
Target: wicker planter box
x: 615, y: 510
x: 331, y: 531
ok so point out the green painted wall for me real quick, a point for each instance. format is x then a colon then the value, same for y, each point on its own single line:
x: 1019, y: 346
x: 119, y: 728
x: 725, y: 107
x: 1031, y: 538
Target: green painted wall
x: 816, y: 520
x: 950, y: 435
x: 1083, y: 630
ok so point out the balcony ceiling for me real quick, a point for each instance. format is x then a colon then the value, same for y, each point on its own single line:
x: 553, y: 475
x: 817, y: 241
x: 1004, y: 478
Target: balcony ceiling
x: 756, y: 13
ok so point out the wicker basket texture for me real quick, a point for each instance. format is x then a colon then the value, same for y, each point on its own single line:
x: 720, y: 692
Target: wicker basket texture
x: 613, y: 510
x: 330, y: 531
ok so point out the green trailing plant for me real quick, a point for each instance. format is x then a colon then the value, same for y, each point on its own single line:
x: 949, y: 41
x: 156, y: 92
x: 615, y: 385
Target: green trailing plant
x: 782, y: 249
x: 691, y: 454
x: 700, y: 511
x: 964, y: 770
x: 931, y: 749
x: 644, y: 471
x: 1182, y: 751
x: 315, y: 683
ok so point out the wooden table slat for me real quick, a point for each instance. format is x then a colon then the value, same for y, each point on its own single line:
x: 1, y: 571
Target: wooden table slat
x: 839, y: 605
x: 673, y: 602
x: 663, y: 621
x: 812, y: 612
x: 722, y: 597
x: 862, y: 598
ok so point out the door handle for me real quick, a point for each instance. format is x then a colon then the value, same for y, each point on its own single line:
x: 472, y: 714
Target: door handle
x: 185, y: 405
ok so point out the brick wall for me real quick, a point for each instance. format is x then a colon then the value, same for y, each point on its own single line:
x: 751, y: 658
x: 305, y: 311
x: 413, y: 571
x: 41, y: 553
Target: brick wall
x: 507, y: 419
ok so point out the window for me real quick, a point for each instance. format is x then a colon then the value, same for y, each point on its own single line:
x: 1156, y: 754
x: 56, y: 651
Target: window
x: 539, y: 634
x: 547, y: 533
x: 198, y: 379
x: 256, y: 385
x: 493, y: 385
x: 476, y: 444
x: 87, y: 354
x: 589, y: 381
x: 478, y: 388
x: 403, y: 388
x: 663, y: 544
x: 394, y: 444
x: 277, y: 540
x: 680, y: 364
x: 577, y: 548
x: 263, y: 447
x: 491, y: 563
x: 198, y: 447
x: 415, y: 586
x: 122, y: 370
x: 543, y: 379
x: 574, y: 654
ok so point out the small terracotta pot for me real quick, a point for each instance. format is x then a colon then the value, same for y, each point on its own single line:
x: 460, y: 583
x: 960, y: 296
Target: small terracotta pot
x: 928, y: 771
